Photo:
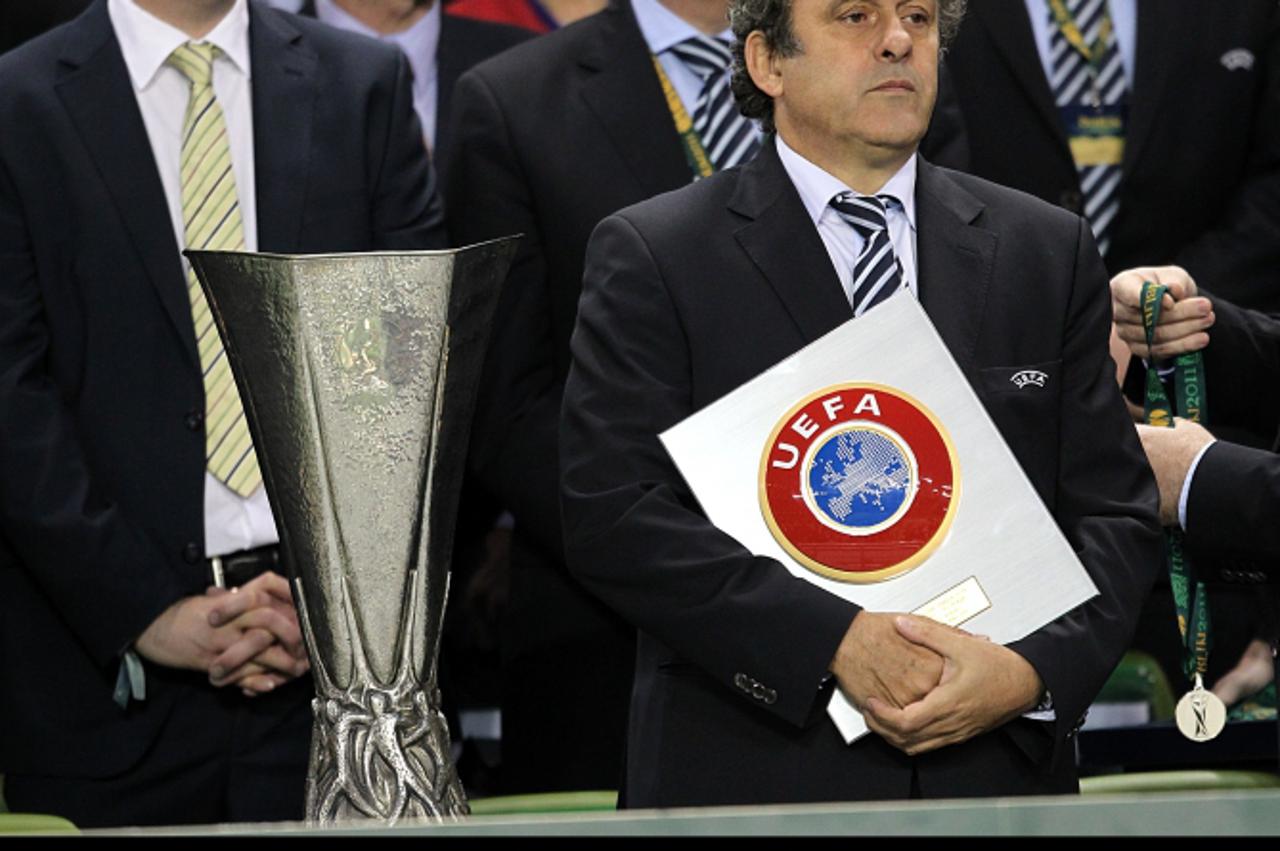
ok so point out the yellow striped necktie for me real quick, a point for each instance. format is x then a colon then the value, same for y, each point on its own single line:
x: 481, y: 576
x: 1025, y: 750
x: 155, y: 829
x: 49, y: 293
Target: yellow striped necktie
x: 211, y: 218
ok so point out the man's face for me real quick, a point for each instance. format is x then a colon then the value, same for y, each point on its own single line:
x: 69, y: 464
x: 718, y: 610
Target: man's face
x: 865, y: 78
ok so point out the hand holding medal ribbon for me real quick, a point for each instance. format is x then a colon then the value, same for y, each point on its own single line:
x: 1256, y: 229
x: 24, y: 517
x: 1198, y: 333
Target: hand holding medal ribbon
x: 1200, y: 714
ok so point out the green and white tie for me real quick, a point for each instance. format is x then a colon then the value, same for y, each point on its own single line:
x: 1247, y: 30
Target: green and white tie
x: 211, y: 218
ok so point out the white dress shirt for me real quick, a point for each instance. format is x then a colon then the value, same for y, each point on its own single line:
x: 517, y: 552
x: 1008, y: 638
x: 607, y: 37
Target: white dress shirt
x: 1124, y: 21
x: 231, y: 522
x: 843, y: 242
x: 419, y: 43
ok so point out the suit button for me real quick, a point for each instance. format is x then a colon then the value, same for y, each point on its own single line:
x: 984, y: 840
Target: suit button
x: 195, y: 420
x: 757, y: 691
x: 1072, y: 200
x: 192, y: 553
x: 742, y: 682
x: 770, y: 697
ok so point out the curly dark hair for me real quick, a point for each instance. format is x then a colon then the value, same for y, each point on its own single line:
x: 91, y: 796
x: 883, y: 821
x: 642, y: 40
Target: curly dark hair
x: 773, y: 19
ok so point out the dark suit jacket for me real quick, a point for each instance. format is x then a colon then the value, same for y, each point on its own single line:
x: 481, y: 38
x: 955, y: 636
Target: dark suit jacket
x: 1201, y: 170
x: 21, y: 22
x: 463, y: 43
x: 549, y: 138
x: 101, y: 442
x: 1235, y: 493
x: 693, y: 293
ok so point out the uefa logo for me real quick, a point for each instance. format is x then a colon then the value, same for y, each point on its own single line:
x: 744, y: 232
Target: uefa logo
x: 859, y: 482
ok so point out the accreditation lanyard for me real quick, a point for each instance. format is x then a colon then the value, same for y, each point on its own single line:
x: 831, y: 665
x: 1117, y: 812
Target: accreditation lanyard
x: 1192, y: 603
x: 694, y: 153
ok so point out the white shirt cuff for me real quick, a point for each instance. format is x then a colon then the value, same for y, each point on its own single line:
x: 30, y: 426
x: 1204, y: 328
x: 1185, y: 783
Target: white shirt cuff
x: 1186, y: 485
x: 1043, y: 710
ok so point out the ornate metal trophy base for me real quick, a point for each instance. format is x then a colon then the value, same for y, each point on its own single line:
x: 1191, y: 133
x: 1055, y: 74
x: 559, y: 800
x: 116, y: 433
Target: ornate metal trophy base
x: 376, y: 746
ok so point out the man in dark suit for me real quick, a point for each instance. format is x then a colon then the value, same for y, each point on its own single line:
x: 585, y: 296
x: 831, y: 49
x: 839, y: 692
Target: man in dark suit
x: 690, y: 294
x: 106, y: 518
x: 440, y: 46
x: 1224, y: 495
x: 549, y: 138
x: 1199, y: 181
x: 1199, y: 168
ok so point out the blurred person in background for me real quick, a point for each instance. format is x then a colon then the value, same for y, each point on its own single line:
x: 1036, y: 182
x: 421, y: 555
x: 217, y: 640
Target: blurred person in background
x: 549, y: 138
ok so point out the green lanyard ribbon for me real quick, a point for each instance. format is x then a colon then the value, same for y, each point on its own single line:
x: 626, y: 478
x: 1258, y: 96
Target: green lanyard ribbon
x: 694, y: 153
x: 1192, y: 603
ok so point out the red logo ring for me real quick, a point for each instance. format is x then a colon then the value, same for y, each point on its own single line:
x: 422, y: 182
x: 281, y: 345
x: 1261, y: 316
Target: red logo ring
x: 887, y: 502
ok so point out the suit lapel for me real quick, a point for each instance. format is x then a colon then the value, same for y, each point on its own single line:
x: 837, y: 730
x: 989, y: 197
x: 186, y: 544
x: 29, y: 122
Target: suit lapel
x: 1160, y: 30
x: 1007, y: 23
x: 954, y: 257
x: 955, y: 260
x: 784, y: 245
x: 96, y: 92
x: 623, y: 92
x: 284, y: 93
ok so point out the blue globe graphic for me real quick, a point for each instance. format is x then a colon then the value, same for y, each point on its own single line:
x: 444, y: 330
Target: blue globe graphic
x: 859, y: 479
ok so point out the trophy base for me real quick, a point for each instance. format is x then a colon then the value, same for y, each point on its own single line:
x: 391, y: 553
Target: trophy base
x: 374, y: 756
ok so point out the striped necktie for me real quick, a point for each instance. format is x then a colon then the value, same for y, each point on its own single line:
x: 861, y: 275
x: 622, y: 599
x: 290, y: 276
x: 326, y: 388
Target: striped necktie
x: 1078, y: 83
x: 876, y: 272
x: 727, y: 136
x: 211, y: 217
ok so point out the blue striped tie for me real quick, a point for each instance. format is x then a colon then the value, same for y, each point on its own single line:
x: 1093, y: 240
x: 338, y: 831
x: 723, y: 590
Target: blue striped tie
x: 876, y: 273
x: 1074, y: 84
x: 728, y: 137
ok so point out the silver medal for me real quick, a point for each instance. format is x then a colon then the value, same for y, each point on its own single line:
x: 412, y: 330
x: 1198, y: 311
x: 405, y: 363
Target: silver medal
x: 1201, y: 714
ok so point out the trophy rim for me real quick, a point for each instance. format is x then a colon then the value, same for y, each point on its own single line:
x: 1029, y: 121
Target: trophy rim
x: 337, y: 255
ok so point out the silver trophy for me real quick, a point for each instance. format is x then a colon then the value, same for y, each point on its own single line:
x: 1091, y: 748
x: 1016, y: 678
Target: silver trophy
x: 358, y: 374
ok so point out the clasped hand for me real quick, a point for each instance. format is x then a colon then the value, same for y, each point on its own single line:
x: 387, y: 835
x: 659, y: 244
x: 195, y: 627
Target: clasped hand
x: 921, y: 685
x: 1185, y: 316
x: 246, y: 636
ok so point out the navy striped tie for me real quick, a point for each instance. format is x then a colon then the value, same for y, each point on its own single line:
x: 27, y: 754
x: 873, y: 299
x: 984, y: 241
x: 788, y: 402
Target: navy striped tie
x: 876, y: 273
x: 1076, y: 83
x: 727, y: 136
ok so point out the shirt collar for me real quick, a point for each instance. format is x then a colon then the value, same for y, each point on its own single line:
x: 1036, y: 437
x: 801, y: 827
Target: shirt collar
x: 664, y: 29
x: 817, y: 187
x: 146, y: 41
x: 418, y: 43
